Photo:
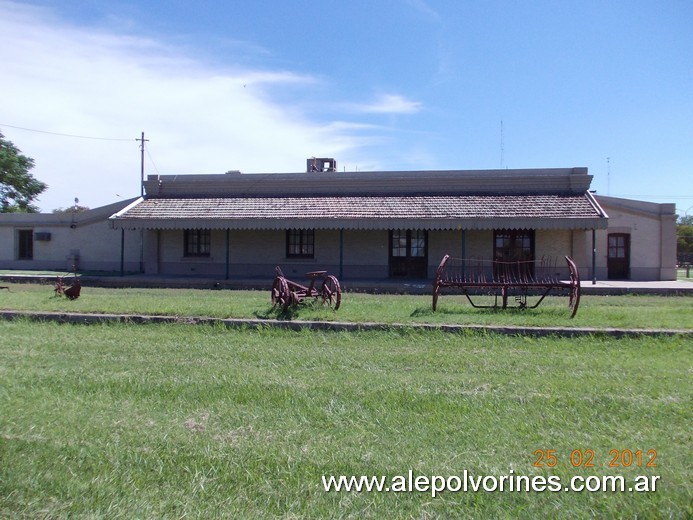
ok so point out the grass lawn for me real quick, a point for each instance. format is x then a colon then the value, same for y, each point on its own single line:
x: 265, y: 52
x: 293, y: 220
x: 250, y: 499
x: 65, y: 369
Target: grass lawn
x: 173, y: 421
x: 595, y: 311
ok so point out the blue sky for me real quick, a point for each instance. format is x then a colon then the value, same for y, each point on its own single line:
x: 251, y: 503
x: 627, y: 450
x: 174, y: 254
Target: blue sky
x: 377, y: 84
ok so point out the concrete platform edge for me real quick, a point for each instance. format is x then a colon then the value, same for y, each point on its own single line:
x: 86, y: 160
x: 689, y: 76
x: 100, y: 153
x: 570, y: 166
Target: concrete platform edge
x: 296, y: 325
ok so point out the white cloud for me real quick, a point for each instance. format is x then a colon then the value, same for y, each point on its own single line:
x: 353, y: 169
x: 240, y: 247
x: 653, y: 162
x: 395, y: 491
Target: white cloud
x: 388, y: 104
x: 199, y: 119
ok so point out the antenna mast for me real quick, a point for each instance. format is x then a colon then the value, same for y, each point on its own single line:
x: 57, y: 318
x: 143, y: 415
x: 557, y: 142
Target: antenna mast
x: 608, y: 175
x: 502, y: 147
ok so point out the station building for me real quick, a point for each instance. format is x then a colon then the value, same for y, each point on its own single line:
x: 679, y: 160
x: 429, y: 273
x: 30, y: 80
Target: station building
x: 357, y: 225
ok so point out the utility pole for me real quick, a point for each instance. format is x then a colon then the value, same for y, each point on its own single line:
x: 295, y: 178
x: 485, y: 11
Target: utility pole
x: 142, y: 140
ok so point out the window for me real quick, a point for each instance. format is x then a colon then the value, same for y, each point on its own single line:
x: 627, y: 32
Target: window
x: 197, y: 242
x: 300, y: 243
x: 617, y: 245
x: 418, y: 243
x: 408, y: 243
x: 399, y: 243
x: 513, y: 245
x: 25, y: 243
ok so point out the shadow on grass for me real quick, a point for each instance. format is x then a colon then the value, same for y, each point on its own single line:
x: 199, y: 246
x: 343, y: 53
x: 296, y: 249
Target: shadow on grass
x: 460, y: 310
x: 277, y: 313
x: 292, y: 312
x: 453, y: 310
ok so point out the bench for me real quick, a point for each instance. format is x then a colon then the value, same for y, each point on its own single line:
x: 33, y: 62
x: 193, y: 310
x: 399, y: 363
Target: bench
x: 504, y: 279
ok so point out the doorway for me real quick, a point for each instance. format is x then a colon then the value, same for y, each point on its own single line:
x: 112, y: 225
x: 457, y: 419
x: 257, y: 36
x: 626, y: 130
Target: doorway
x: 25, y: 244
x: 408, y: 253
x: 618, y: 256
x: 514, y: 249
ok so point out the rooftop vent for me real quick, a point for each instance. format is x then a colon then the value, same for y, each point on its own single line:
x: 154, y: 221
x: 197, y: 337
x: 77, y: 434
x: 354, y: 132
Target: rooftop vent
x: 321, y: 164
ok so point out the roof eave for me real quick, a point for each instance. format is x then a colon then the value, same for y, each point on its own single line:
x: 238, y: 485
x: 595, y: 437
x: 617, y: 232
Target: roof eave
x: 565, y: 223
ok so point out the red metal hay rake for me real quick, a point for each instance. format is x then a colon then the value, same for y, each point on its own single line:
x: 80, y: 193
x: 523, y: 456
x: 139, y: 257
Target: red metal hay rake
x: 505, y: 279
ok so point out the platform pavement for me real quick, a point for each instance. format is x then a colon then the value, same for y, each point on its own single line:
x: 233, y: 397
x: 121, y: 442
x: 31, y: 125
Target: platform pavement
x: 399, y: 286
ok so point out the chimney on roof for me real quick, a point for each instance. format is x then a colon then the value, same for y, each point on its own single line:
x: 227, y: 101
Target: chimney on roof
x: 321, y: 164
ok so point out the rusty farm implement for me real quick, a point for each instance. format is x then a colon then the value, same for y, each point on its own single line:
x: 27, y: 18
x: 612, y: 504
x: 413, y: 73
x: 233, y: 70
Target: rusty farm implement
x: 287, y: 293
x: 507, y: 281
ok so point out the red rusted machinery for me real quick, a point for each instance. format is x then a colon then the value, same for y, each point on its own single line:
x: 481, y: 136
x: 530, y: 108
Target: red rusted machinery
x: 70, y: 291
x: 506, y: 279
x: 286, y: 293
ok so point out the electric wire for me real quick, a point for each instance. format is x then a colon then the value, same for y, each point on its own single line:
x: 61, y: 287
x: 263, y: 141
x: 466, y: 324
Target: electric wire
x: 149, y: 155
x: 63, y: 135
x: 152, y: 160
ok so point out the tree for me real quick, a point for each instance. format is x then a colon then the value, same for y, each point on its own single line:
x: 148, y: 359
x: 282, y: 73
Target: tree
x: 18, y: 188
x: 684, y: 243
x: 71, y: 209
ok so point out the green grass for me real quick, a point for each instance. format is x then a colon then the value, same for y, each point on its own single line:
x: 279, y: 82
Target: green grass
x: 125, y: 421
x: 595, y: 311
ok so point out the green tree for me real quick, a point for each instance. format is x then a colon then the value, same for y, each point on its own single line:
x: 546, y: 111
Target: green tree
x: 71, y: 209
x: 18, y: 188
x: 684, y: 243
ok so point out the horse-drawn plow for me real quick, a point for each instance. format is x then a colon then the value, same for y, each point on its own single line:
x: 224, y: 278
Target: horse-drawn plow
x: 286, y: 293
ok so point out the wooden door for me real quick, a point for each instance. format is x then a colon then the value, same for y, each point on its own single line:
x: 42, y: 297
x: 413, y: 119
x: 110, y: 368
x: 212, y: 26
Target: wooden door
x: 618, y: 256
x: 409, y: 253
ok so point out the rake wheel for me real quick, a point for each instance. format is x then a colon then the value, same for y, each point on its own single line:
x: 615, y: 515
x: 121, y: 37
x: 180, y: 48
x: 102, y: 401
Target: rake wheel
x: 331, y: 292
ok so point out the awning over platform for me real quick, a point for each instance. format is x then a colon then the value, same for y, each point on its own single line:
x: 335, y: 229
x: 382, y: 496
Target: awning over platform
x: 441, y: 212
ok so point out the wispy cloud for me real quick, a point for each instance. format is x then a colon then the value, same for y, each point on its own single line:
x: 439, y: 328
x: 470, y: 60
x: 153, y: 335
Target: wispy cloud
x: 199, y: 118
x: 388, y: 104
x: 422, y: 7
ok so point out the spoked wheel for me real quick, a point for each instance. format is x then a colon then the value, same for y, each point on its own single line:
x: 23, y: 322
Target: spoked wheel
x: 280, y: 293
x: 331, y: 292
x: 574, y: 299
x: 436, y: 293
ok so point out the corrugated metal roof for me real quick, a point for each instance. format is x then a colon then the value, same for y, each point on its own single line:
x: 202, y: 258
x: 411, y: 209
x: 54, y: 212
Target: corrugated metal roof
x: 366, y: 212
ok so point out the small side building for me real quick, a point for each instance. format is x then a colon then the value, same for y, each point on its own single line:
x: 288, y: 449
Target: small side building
x: 640, y: 241
x: 67, y: 241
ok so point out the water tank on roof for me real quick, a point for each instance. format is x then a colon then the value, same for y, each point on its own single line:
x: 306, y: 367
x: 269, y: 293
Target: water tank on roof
x: 321, y: 164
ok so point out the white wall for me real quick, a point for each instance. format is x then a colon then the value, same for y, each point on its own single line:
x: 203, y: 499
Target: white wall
x: 95, y: 246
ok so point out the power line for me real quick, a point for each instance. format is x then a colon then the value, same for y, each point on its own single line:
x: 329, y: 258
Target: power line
x: 63, y: 135
x: 151, y: 159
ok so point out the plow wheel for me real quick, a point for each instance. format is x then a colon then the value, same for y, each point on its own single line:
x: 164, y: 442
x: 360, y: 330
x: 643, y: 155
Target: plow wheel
x: 436, y: 281
x: 436, y: 293
x: 331, y: 292
x: 574, y: 297
x: 280, y: 293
